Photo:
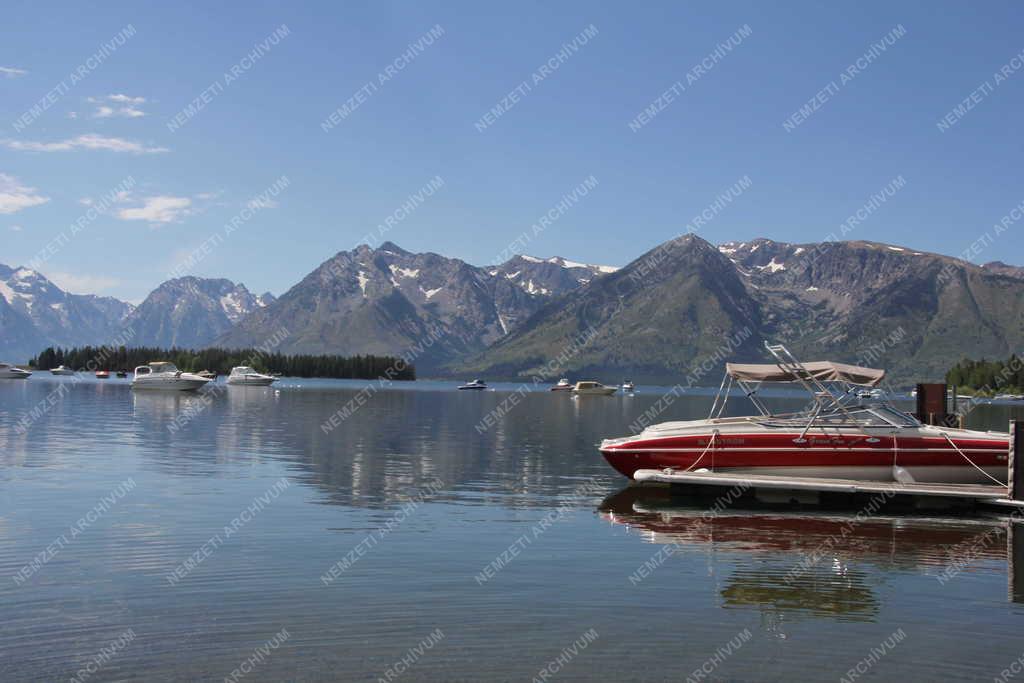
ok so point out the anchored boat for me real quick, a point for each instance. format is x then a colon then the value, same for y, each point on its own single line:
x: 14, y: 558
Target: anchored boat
x: 591, y: 388
x: 563, y: 385
x: 835, y: 436
x: 243, y: 374
x: 164, y: 375
x: 8, y: 371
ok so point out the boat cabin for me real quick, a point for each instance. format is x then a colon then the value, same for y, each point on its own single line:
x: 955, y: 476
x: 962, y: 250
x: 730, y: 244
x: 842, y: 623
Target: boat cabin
x: 156, y: 367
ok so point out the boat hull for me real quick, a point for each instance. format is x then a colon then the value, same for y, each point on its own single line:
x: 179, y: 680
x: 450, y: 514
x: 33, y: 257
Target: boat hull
x: 176, y: 384
x: 925, y: 457
x: 252, y: 381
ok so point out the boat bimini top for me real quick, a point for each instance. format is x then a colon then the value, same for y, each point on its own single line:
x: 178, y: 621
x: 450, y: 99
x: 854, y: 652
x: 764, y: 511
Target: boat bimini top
x: 832, y: 386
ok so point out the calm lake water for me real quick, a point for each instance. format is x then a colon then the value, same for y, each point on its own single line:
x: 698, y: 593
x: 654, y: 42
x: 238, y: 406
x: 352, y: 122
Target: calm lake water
x: 161, y: 536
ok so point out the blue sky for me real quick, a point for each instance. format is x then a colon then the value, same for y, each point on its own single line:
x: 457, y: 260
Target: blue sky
x: 570, y: 123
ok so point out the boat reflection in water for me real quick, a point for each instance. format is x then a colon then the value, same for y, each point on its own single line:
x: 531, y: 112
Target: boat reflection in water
x: 815, y: 563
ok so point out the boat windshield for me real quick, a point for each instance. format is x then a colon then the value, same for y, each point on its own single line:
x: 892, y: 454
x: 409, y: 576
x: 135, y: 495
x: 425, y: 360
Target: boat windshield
x: 868, y: 416
x: 243, y: 370
x: 163, y: 367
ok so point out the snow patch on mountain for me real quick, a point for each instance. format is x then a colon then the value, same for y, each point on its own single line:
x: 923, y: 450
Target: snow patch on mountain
x: 773, y: 266
x: 406, y: 272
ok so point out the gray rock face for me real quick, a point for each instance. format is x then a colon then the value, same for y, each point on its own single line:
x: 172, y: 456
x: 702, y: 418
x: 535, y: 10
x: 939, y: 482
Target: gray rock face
x: 675, y: 308
x: 191, y: 312
x: 35, y: 313
x: 911, y: 312
x: 389, y: 301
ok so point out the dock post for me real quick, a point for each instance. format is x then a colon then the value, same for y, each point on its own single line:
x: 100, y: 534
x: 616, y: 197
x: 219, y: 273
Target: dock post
x: 1015, y: 561
x: 1016, y: 470
x: 932, y: 405
x: 1015, y: 533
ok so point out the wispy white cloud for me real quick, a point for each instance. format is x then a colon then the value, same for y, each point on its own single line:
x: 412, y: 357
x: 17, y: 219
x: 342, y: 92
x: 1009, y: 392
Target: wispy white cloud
x: 16, y: 228
x: 257, y: 204
x: 82, y: 283
x: 125, y: 99
x: 209, y: 195
x: 11, y: 72
x: 14, y: 196
x: 117, y: 105
x: 158, y: 209
x: 105, y: 112
x: 87, y: 141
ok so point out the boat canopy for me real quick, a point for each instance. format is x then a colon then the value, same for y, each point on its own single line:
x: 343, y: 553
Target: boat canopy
x: 822, y: 370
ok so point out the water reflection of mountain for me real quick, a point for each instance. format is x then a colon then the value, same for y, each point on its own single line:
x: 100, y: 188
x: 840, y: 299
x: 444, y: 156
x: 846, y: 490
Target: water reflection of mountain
x: 786, y: 584
x: 845, y: 596
x: 538, y: 448
x: 396, y: 444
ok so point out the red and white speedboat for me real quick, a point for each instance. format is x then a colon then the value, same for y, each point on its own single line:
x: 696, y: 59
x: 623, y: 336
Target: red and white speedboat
x: 835, y: 436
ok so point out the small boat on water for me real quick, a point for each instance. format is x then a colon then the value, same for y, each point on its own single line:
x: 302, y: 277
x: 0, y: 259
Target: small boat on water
x: 166, y: 376
x: 591, y: 388
x: 122, y: 373
x: 562, y: 385
x: 475, y: 385
x: 8, y: 371
x: 834, y: 436
x: 243, y: 374
x: 628, y: 386
x: 61, y: 370
x: 102, y: 374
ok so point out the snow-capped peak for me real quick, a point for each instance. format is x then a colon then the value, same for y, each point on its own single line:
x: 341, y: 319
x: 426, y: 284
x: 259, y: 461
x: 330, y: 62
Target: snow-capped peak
x: 566, y: 263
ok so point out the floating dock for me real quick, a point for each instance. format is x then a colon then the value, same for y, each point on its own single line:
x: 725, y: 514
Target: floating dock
x: 978, y: 493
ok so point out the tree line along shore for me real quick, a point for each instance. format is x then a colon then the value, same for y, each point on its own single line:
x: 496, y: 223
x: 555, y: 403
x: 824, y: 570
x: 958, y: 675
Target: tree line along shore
x: 985, y: 377
x: 221, y: 361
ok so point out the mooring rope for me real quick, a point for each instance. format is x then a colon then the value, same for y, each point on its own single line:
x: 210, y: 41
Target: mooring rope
x: 714, y: 435
x: 964, y: 456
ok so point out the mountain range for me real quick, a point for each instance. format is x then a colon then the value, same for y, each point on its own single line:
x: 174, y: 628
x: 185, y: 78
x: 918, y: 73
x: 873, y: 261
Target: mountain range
x: 684, y: 305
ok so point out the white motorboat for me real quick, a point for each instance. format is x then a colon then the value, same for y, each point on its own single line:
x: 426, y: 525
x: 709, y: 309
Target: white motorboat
x: 8, y: 371
x: 628, y: 386
x: 562, y: 385
x: 589, y: 388
x: 243, y: 374
x: 164, y: 375
x: 475, y: 385
x: 61, y: 370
